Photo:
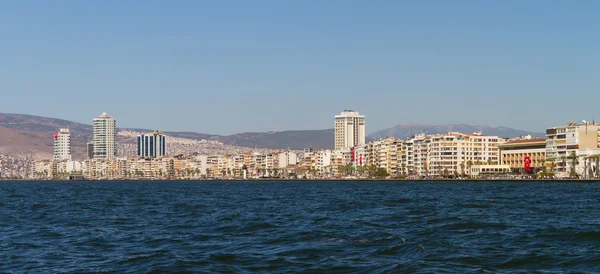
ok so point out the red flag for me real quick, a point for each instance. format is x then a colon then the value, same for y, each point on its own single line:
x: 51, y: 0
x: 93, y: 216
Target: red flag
x: 527, y: 164
x: 56, y: 135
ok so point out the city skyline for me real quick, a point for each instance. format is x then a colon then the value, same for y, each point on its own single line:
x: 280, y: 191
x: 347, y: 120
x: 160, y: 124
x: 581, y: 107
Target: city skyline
x: 497, y: 64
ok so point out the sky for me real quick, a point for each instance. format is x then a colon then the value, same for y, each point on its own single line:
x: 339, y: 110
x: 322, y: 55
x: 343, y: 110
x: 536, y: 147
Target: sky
x: 224, y: 67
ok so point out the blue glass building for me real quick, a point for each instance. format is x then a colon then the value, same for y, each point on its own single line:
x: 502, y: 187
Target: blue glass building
x: 153, y: 144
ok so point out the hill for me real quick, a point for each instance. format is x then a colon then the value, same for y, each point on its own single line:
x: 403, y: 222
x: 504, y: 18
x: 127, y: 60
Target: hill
x: 29, y: 135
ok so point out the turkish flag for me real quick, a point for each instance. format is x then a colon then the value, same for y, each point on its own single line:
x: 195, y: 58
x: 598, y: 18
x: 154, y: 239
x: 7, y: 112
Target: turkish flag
x: 56, y: 135
x: 527, y: 161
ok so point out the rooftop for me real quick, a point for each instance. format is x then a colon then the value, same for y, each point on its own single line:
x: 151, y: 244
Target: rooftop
x: 526, y: 141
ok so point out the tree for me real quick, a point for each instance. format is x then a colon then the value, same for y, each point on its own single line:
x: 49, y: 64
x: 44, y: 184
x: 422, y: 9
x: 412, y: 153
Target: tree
x: 341, y: 169
x: 381, y: 173
x: 552, y: 160
x: 371, y: 170
x: 446, y: 173
x: 574, y: 162
x: 351, y: 169
x: 462, y: 168
x: 469, y: 165
x: 360, y: 170
x: 595, y: 167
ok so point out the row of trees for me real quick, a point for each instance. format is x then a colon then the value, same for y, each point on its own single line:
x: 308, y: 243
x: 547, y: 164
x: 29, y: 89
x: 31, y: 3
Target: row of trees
x: 591, y: 165
x: 370, y: 171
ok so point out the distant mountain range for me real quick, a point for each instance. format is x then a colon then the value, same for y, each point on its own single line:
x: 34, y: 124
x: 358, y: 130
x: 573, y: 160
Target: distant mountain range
x: 407, y: 130
x: 28, y: 135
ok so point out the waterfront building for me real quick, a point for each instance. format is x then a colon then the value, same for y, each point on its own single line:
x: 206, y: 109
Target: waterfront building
x: 385, y: 155
x: 447, y: 155
x: 337, y: 160
x: 421, y: 154
x: 323, y: 160
x: 516, y: 152
x: 285, y: 159
x: 104, y: 137
x: 403, y: 155
x: 451, y: 154
x: 151, y: 145
x: 62, y: 145
x: 358, y: 156
x: 407, y: 157
x: 568, y: 146
x: 349, y: 129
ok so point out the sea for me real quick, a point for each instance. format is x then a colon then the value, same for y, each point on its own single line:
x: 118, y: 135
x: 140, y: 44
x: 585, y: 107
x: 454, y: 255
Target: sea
x: 299, y: 227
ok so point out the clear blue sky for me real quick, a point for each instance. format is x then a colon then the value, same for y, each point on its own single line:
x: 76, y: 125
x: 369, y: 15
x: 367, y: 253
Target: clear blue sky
x: 224, y: 67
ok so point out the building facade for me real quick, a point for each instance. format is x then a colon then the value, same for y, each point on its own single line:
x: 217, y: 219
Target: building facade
x: 105, y: 137
x: 153, y: 144
x: 515, y: 153
x: 62, y: 145
x: 349, y: 130
x: 568, y: 146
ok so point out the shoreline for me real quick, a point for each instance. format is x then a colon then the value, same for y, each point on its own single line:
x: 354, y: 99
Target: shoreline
x: 316, y: 180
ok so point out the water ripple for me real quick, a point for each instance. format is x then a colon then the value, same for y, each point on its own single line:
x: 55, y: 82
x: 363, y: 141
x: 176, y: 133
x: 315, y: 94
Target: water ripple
x: 307, y: 227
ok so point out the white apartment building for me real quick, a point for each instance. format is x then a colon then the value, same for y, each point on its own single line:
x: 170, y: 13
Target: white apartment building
x: 349, y: 130
x: 563, y: 142
x: 420, y: 155
x: 446, y: 154
x: 104, y: 137
x: 450, y: 154
x: 62, y: 145
x: 286, y: 159
x: 358, y: 156
x: 323, y: 159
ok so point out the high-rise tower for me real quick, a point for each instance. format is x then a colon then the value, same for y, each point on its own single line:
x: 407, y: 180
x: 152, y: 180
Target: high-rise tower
x: 151, y: 145
x: 349, y: 129
x: 62, y: 145
x: 105, y: 135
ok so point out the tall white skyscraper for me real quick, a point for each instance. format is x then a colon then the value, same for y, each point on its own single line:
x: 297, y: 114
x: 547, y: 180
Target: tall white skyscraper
x: 349, y: 129
x: 152, y: 144
x: 105, y: 137
x: 62, y: 144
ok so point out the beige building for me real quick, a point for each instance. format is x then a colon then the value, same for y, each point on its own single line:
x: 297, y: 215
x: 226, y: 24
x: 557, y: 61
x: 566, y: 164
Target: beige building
x: 568, y: 146
x: 448, y: 154
x: 349, y: 129
x: 513, y: 153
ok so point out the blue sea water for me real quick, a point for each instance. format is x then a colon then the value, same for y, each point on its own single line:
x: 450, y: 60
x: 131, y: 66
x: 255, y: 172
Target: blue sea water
x: 273, y: 227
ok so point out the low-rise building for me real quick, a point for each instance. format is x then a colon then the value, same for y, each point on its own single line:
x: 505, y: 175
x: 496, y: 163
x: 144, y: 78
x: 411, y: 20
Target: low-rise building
x: 515, y: 153
x: 490, y: 170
